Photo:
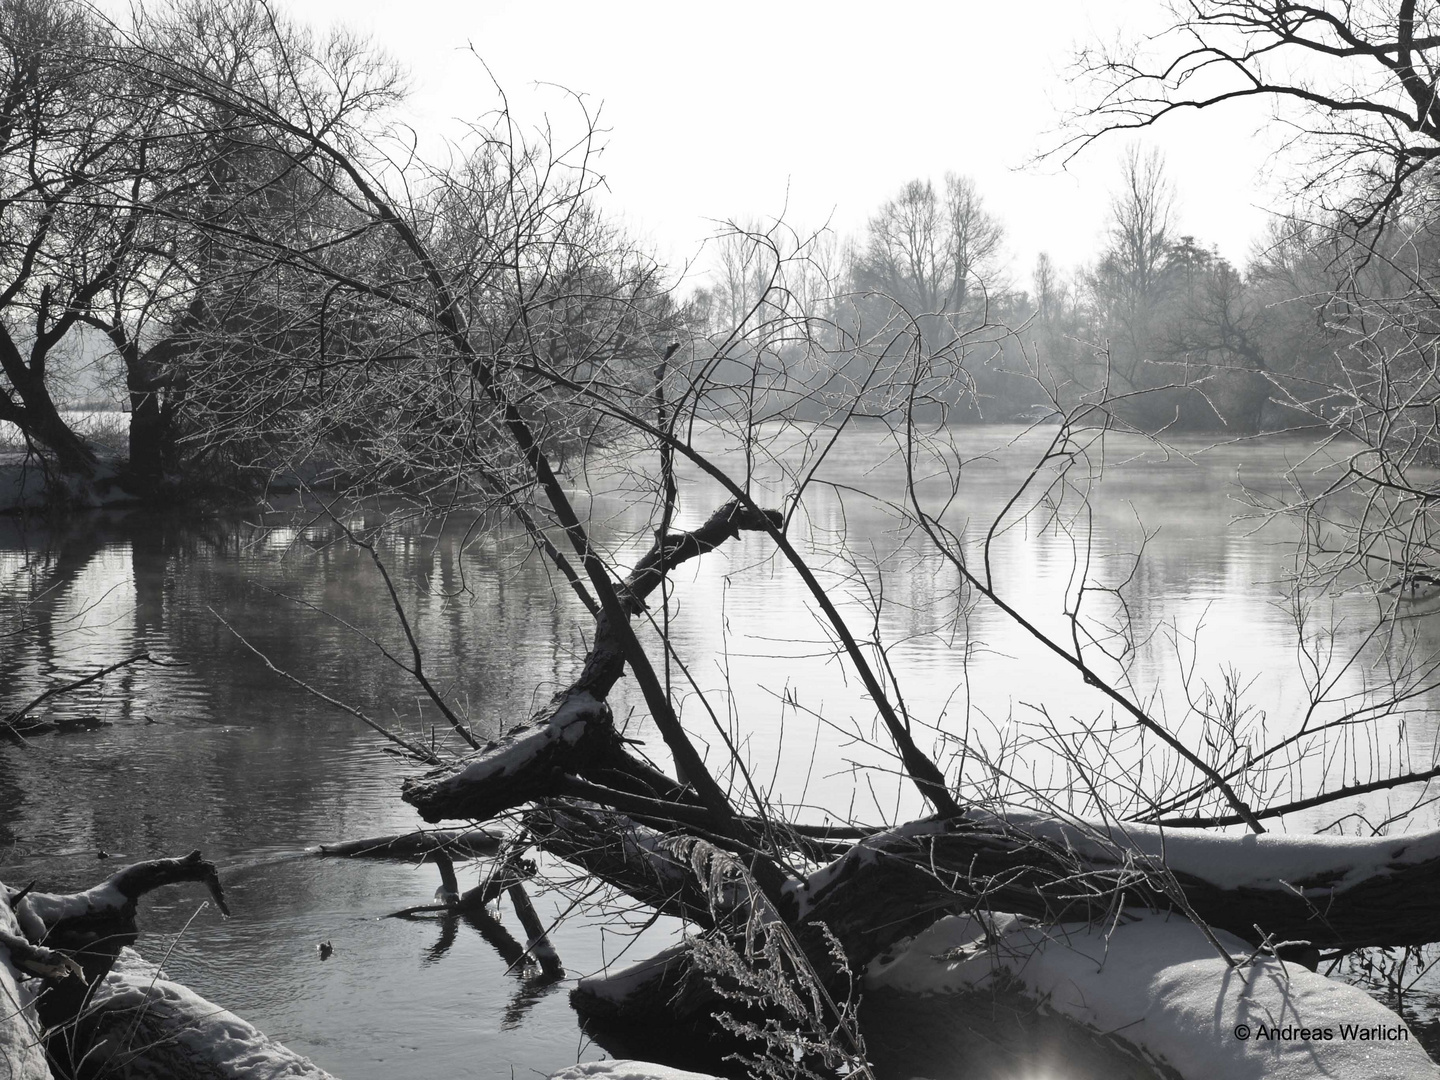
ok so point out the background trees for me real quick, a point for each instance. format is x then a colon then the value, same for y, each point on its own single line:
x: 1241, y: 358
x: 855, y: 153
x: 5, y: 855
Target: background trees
x: 931, y: 253
x: 119, y: 201
x: 1347, y: 311
x: 140, y: 237
x: 69, y: 152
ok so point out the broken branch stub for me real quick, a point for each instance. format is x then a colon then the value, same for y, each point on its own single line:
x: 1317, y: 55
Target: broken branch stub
x: 575, y: 730
x: 104, y: 908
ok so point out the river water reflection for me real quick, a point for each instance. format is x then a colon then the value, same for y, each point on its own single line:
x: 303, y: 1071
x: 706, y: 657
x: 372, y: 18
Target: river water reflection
x: 222, y: 755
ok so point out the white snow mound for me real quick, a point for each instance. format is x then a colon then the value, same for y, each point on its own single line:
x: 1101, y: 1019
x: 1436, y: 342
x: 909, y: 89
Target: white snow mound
x: 1160, y: 985
x: 143, y: 1025
x: 626, y: 1070
x: 22, y: 1056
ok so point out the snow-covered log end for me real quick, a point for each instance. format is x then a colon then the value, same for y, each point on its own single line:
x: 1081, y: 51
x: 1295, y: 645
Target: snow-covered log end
x: 517, y: 768
x: 626, y: 1070
x: 1157, y: 983
x: 22, y: 1054
x: 141, y: 1025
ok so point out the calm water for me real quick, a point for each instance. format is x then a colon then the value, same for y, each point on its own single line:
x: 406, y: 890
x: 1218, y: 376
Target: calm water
x: 222, y: 755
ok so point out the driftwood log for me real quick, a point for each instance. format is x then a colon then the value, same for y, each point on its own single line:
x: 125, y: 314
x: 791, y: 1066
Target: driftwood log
x: 466, y: 844
x: 92, y: 926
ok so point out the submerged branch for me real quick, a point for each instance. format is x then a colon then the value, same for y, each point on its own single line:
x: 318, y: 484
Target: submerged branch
x: 11, y: 721
x: 413, y: 748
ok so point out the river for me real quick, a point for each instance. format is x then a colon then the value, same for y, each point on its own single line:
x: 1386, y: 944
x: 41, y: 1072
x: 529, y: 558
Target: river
x: 220, y: 754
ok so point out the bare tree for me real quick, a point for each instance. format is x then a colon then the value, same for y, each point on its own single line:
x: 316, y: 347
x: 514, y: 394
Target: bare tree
x: 105, y: 175
x: 66, y: 164
x: 1135, y: 265
x: 929, y: 251
x: 1047, y: 287
x: 1357, y: 82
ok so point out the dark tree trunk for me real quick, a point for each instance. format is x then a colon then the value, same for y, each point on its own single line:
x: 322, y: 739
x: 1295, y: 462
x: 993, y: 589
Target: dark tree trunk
x: 149, y: 441
x: 37, y: 416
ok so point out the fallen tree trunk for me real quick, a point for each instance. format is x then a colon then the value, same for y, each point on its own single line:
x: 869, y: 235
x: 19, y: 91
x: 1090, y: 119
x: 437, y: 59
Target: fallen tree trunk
x: 1327, y: 892
x: 628, y: 824
x: 1330, y: 892
x: 685, y: 850
x: 470, y: 843
x: 92, y: 925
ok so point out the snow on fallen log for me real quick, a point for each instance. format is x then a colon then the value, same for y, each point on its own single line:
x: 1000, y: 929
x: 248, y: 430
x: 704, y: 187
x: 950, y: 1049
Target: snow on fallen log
x: 1321, y: 863
x: 1329, y: 891
x: 626, y: 1070
x: 22, y: 1054
x: 525, y: 764
x: 114, y: 900
x: 141, y: 1026
x: 1157, y: 983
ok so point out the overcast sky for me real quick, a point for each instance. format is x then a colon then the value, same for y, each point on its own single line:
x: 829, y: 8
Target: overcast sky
x: 819, y: 111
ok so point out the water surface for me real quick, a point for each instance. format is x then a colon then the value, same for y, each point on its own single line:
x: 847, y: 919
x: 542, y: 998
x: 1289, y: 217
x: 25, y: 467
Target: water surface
x: 221, y: 754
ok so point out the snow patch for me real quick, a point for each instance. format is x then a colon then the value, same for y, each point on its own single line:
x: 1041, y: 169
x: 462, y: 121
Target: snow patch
x: 173, y: 1031
x: 23, y: 1057
x: 626, y: 1070
x: 40, y: 911
x: 1232, y: 861
x: 1156, y: 982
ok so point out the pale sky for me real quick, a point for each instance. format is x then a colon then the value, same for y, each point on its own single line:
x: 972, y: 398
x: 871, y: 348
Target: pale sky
x: 819, y: 111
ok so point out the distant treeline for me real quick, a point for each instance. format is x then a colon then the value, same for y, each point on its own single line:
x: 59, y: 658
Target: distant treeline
x: 1161, y: 327
x: 217, y: 215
